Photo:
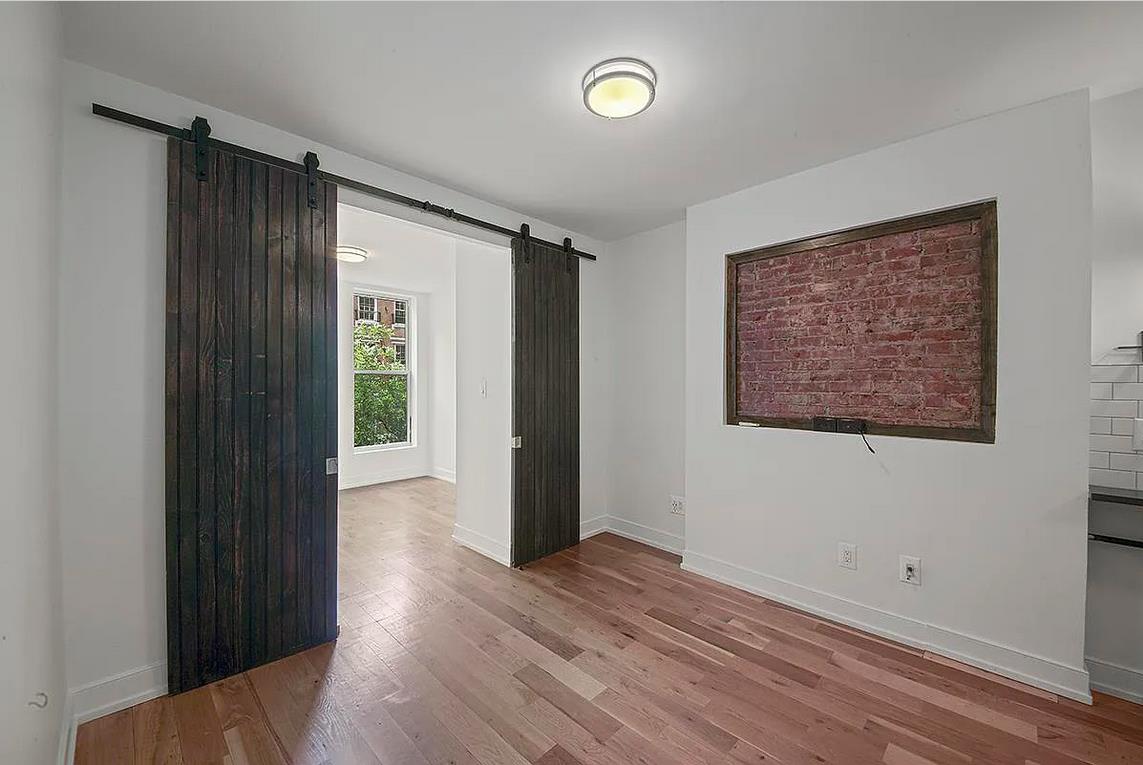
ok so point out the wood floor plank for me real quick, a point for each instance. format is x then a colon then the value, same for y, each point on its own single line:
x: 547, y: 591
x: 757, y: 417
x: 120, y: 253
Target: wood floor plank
x: 200, y: 731
x: 109, y: 740
x: 557, y: 755
x: 556, y: 666
x: 435, y: 742
x: 592, y: 718
x: 244, y: 727
x: 156, y: 737
x: 605, y: 654
x: 736, y: 647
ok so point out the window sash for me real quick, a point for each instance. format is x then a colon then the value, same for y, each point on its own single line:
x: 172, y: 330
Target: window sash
x: 386, y: 310
x: 404, y: 372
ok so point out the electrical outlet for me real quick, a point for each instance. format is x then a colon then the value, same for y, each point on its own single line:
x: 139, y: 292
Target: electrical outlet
x: 847, y: 555
x: 678, y: 505
x: 910, y: 570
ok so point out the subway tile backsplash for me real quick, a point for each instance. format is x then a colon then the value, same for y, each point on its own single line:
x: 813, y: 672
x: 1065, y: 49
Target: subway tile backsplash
x: 1116, y: 396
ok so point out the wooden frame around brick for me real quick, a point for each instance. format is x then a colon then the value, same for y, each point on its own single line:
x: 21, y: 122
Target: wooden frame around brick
x: 984, y: 431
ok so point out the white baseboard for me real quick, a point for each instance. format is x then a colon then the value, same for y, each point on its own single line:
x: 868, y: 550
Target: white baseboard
x: 65, y: 753
x: 112, y: 694
x: 1116, y: 679
x: 486, y: 546
x: 1038, y: 671
x: 592, y: 526
x: 107, y: 696
x: 445, y: 474
x: 639, y: 533
x: 385, y: 476
x: 631, y: 530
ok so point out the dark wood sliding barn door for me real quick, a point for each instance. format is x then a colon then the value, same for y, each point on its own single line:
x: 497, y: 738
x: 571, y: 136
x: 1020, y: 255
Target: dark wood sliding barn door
x: 251, y: 415
x: 545, y: 400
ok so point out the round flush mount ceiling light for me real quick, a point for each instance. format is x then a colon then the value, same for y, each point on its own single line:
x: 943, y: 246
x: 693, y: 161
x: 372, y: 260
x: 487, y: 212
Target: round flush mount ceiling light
x: 347, y: 253
x: 618, y: 88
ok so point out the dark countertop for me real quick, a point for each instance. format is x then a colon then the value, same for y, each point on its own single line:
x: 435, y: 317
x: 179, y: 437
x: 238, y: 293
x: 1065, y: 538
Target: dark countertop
x: 1119, y: 496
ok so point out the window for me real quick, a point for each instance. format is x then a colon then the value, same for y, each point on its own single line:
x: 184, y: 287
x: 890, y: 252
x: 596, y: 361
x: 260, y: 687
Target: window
x: 366, y: 308
x: 381, y: 374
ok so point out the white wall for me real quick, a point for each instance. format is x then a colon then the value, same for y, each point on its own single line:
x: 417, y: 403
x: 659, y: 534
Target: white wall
x: 1000, y: 528
x: 110, y: 474
x: 1117, y: 200
x: 1115, y: 576
x: 648, y: 332
x: 31, y: 652
x: 596, y: 344
x: 484, y: 398
x: 407, y: 259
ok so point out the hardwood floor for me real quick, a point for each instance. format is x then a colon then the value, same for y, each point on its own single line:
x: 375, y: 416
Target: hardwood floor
x: 607, y: 653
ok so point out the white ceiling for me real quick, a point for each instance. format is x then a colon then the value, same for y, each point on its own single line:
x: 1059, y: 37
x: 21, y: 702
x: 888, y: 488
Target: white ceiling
x: 485, y: 98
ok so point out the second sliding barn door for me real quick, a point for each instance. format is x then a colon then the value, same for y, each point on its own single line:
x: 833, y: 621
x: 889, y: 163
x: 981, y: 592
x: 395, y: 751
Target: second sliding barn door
x: 251, y: 414
x: 545, y: 400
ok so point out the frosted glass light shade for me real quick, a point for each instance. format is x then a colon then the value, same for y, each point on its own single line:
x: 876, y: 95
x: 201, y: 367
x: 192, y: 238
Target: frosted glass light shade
x: 618, y: 88
x: 349, y: 254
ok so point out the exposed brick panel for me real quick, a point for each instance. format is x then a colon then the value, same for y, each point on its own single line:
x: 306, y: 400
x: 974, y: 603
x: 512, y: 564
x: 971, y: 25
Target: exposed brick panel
x: 886, y: 329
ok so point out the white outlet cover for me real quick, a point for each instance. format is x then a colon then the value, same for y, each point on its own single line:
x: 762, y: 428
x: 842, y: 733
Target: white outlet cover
x: 678, y: 505
x: 910, y: 562
x: 847, y: 555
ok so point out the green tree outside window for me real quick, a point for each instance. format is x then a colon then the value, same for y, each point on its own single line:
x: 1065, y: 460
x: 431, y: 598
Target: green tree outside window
x: 380, y: 401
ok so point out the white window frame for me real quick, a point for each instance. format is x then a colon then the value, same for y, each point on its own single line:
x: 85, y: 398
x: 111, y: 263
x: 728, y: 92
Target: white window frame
x: 376, y: 312
x: 410, y: 364
x: 407, y: 309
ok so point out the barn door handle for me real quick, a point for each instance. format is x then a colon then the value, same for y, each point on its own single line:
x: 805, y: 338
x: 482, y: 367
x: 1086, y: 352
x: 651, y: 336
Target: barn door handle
x: 331, y: 466
x: 517, y: 442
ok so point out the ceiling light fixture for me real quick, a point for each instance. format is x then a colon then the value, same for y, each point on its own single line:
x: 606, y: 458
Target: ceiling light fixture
x: 347, y: 253
x: 619, y: 87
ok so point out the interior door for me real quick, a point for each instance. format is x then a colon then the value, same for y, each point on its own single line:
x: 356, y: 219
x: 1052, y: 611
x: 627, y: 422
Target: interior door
x: 251, y: 414
x: 545, y: 400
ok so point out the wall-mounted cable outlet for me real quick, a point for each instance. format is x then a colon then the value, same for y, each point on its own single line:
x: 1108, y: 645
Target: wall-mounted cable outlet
x: 910, y: 570
x: 847, y: 555
x: 678, y: 505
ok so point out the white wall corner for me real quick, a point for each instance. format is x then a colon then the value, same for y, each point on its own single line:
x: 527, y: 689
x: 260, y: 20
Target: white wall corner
x: 1037, y: 671
x: 385, y: 476
x: 636, y: 532
x: 1116, y: 680
x: 444, y: 474
x: 592, y: 526
x: 104, y: 697
x: 486, y: 546
x: 65, y: 754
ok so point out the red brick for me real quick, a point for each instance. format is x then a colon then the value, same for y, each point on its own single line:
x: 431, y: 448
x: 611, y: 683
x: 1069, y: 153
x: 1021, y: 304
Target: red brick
x: 887, y: 329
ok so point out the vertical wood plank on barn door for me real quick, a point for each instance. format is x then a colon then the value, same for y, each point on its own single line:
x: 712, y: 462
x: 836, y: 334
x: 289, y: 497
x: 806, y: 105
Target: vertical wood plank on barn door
x: 258, y: 492
x: 273, y: 395
x: 545, y: 401
x: 250, y: 415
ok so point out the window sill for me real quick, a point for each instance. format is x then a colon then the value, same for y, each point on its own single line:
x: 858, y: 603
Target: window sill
x: 384, y: 448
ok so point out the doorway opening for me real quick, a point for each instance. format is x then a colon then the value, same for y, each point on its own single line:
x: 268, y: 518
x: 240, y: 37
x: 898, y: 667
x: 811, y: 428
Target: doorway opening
x: 425, y: 394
